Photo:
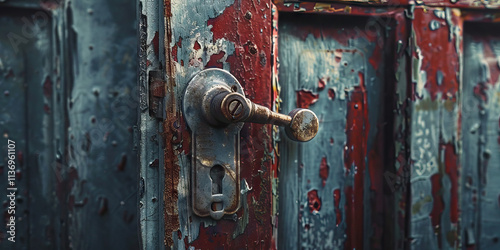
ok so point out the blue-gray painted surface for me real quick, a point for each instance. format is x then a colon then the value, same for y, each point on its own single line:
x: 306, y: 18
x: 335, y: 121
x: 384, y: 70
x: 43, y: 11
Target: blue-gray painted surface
x: 306, y: 60
x: 150, y: 143
x: 481, y: 138
x: 69, y: 88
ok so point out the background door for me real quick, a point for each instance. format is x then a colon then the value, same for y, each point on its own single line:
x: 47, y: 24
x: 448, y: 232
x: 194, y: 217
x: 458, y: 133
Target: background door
x: 68, y: 101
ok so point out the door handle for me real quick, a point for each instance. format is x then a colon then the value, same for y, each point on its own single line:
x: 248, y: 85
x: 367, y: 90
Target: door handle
x: 225, y: 106
x: 215, y: 109
x: 232, y: 107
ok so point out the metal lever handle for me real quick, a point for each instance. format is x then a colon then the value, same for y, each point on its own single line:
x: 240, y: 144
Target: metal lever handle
x: 215, y: 108
x: 232, y: 107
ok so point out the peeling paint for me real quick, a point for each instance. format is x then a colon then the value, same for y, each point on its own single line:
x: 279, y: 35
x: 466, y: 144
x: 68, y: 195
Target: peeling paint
x: 213, y: 37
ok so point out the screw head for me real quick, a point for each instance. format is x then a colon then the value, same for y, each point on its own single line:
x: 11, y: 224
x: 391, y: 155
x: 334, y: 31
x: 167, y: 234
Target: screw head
x: 235, y: 108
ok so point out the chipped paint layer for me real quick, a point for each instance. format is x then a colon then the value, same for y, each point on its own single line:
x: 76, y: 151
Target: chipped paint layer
x: 335, y: 71
x: 481, y: 136
x: 435, y: 128
x: 235, y: 36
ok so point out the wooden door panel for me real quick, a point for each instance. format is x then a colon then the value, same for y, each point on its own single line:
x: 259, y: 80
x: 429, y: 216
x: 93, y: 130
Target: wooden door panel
x: 341, y: 70
x: 235, y: 36
x: 435, y: 125
x: 25, y: 108
x: 481, y: 138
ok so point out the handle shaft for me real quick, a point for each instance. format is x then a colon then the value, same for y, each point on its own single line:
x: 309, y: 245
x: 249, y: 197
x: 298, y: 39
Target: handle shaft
x: 231, y: 107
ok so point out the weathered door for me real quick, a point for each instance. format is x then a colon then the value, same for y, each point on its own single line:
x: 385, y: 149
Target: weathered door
x: 407, y: 99
x: 67, y: 112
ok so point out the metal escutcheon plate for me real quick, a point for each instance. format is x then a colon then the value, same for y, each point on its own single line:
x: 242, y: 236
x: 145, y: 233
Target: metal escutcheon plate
x: 215, y: 169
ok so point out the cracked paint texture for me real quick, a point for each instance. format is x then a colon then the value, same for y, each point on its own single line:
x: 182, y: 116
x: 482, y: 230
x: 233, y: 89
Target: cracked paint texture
x: 327, y: 178
x: 235, y: 36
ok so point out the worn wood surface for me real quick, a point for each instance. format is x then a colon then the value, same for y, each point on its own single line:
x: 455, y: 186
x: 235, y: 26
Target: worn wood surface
x: 331, y: 65
x: 67, y: 79
x: 235, y: 36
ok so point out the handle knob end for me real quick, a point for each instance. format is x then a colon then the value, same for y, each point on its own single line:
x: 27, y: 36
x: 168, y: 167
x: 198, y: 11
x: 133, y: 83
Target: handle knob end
x: 304, y: 125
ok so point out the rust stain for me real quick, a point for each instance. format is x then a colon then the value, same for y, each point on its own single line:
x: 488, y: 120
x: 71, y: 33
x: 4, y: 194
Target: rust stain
x: 172, y: 168
x: 170, y: 194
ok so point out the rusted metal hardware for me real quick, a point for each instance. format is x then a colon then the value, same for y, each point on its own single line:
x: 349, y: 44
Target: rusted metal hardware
x: 215, y: 108
x: 215, y: 168
x: 231, y: 107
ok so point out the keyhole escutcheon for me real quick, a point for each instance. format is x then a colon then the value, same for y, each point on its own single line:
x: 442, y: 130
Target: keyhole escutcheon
x: 217, y: 173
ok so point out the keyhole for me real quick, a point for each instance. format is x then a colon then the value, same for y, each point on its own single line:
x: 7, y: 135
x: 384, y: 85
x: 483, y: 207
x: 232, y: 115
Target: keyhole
x: 217, y: 173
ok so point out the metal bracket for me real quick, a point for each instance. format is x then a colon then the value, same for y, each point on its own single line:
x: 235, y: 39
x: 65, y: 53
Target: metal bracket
x: 215, y: 169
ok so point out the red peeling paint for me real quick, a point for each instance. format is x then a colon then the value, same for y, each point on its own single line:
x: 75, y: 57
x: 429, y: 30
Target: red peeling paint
x: 306, y: 98
x: 322, y: 83
x: 216, y: 60
x: 175, y: 48
x: 361, y: 79
x: 354, y: 155
x: 438, y: 204
x: 196, y: 45
x: 156, y: 43
x: 331, y: 94
x: 324, y: 169
x: 433, y: 44
x: 256, y: 139
x: 338, y: 8
x: 314, y: 201
x: 174, y: 53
